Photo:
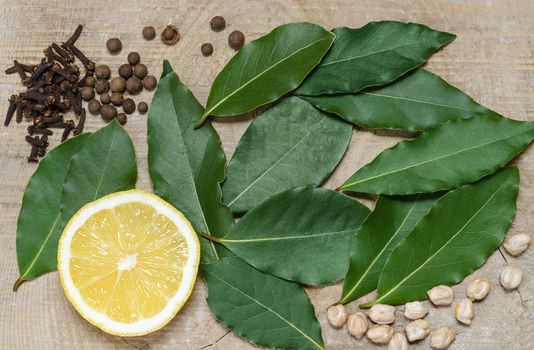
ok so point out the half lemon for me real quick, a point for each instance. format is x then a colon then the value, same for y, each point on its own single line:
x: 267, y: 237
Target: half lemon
x: 128, y: 262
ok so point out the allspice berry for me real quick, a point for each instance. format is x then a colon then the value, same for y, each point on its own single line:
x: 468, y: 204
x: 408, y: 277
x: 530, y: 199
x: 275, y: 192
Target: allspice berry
x: 142, y: 107
x: 134, y: 85
x: 122, y: 118
x: 217, y: 23
x: 114, y: 46
x: 118, y: 84
x: 170, y: 35
x: 150, y: 82
x: 149, y: 33
x: 102, y: 72
x: 126, y: 71
x: 140, y: 71
x: 133, y: 58
x: 105, y: 98
x: 101, y: 86
x: 117, y: 98
x: 128, y: 105
x: 94, y: 107
x: 108, y: 112
x: 87, y: 93
x: 236, y: 40
x: 90, y: 81
x: 206, y: 49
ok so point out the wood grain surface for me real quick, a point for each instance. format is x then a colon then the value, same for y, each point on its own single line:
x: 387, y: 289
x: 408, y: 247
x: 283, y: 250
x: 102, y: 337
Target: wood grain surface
x: 492, y: 59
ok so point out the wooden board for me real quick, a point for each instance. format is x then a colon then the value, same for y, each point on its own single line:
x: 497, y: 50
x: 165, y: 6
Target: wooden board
x: 492, y: 59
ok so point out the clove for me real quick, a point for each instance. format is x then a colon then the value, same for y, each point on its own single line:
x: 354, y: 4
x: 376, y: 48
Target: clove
x: 81, y: 123
x: 11, y: 109
x: 88, y: 64
x: 67, y: 131
x: 70, y: 42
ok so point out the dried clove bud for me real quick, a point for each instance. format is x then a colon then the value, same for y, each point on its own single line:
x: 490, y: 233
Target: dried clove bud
x: 511, y: 277
x: 337, y: 316
x: 74, y: 36
x: 11, y: 109
x: 417, y: 330
x: 398, y: 342
x: 81, y: 123
x: 380, y: 334
x: 465, y: 311
x: 68, y: 129
x: 382, y: 314
x: 415, y: 310
x: 442, y: 338
x: 516, y: 244
x: 441, y: 295
x: 478, y: 289
x: 357, y: 324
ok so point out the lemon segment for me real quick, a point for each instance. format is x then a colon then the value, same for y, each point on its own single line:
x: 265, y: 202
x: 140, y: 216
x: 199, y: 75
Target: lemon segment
x: 128, y: 262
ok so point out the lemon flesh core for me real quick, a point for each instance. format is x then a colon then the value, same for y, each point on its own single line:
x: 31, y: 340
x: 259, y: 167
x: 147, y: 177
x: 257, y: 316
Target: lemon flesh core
x: 127, y: 262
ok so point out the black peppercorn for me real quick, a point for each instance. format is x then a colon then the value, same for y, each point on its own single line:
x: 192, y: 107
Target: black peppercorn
x: 114, y: 46
x: 126, y: 71
x: 150, y: 82
x: 128, y: 105
x: 140, y: 71
x: 117, y: 84
x: 87, y: 93
x: 101, y: 86
x: 117, y: 98
x: 217, y: 23
x: 206, y: 49
x: 142, y: 107
x: 102, y: 72
x: 105, y: 98
x: 170, y: 35
x: 134, y: 85
x: 149, y: 33
x: 122, y: 118
x: 90, y: 81
x: 133, y: 58
x: 94, y: 107
x: 108, y: 112
x: 236, y: 39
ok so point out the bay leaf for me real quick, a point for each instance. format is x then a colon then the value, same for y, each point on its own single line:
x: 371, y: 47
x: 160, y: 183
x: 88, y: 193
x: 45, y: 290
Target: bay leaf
x: 267, y: 68
x: 391, y: 221
x: 291, y: 144
x: 460, y: 232
x: 106, y: 164
x: 186, y: 165
x: 39, y: 224
x: 265, y: 310
x: 375, y: 54
x: 418, y: 101
x: 303, y: 235
x: 450, y: 155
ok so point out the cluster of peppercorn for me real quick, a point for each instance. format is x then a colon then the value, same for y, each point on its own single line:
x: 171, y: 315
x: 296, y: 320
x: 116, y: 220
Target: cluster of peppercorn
x: 132, y: 78
x: 53, y: 89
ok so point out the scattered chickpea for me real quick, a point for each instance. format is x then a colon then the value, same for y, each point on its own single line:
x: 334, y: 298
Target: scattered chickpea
x: 380, y: 334
x: 398, y: 342
x: 516, y: 244
x: 511, y: 277
x: 337, y: 316
x: 442, y: 337
x: 465, y: 312
x: 382, y: 314
x: 357, y: 324
x: 417, y: 330
x: 441, y: 295
x: 478, y: 289
x: 415, y: 310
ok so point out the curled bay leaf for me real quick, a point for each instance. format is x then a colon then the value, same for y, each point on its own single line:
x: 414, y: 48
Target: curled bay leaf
x: 265, y: 310
x: 106, y: 164
x: 186, y: 165
x: 375, y: 54
x: 267, y: 68
x: 459, y: 233
x: 291, y: 144
x: 39, y: 225
x: 418, y: 101
x: 391, y: 221
x: 303, y: 235
x: 443, y: 158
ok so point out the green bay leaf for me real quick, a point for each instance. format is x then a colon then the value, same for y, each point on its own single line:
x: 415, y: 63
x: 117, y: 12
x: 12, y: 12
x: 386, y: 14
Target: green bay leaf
x: 375, y: 54
x: 106, y: 164
x: 303, y: 235
x: 39, y: 224
x: 186, y: 165
x: 461, y: 231
x: 391, y: 221
x: 418, y: 101
x: 450, y: 155
x: 265, y: 310
x: 267, y: 68
x: 291, y: 144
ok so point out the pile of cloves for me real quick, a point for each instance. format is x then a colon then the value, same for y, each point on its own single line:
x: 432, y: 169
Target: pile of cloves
x: 52, y: 89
